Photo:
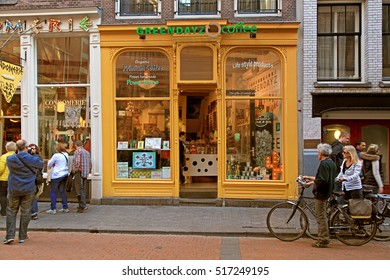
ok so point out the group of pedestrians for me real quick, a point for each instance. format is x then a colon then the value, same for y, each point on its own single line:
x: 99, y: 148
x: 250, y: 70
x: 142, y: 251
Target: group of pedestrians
x: 343, y: 168
x: 18, y: 188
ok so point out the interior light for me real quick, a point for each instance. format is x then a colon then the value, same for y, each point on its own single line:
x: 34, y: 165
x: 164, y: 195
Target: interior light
x: 337, y: 134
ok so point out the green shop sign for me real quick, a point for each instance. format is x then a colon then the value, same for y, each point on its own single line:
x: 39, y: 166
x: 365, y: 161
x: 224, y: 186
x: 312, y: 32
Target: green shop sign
x: 198, y: 29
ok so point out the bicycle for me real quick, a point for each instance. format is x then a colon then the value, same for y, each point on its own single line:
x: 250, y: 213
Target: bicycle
x: 382, y: 215
x: 288, y: 221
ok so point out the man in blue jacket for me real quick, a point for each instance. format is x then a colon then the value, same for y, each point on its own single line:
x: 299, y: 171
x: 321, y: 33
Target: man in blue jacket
x: 21, y: 190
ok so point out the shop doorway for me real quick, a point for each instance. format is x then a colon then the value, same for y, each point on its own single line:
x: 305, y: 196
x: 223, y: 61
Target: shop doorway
x: 198, y: 119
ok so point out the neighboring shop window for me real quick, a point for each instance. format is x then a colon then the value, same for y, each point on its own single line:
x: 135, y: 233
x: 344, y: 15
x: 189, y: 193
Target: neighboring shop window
x: 64, y: 107
x: 251, y: 7
x: 386, y: 41
x: 63, y: 116
x: 196, y: 8
x: 339, y: 42
x: 330, y: 133
x: 254, y: 115
x: 10, y: 126
x: 143, y: 116
x: 137, y: 8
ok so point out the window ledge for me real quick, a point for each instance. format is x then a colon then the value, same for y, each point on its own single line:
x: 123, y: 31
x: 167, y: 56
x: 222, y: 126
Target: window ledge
x: 342, y: 85
x: 384, y: 84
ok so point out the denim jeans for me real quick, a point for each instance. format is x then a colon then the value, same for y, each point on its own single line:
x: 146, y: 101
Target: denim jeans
x: 3, y: 197
x: 16, y: 202
x: 34, y: 208
x: 58, y: 184
x: 322, y: 220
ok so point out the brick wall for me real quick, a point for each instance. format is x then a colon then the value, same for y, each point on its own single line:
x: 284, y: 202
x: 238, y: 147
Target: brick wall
x: 167, y: 13
x: 49, y: 4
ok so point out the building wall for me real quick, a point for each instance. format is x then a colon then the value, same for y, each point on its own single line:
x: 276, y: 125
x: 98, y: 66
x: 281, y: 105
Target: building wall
x: 49, y: 4
x: 227, y: 12
x: 371, y: 63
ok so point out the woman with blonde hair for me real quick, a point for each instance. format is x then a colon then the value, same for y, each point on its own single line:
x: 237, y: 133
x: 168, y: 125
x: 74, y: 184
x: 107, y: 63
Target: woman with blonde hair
x: 349, y: 174
x: 372, y: 169
x: 59, y: 162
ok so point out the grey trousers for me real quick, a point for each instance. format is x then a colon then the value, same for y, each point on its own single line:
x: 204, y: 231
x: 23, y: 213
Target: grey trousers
x: 322, y: 220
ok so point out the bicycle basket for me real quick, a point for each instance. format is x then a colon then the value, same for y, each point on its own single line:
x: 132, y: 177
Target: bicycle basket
x: 360, y: 208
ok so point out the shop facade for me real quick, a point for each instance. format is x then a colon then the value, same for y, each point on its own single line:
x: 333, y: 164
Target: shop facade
x: 58, y: 98
x: 232, y: 87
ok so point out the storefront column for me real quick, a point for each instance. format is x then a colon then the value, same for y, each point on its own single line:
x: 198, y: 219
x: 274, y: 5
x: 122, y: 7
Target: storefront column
x: 29, y: 103
x: 96, y: 119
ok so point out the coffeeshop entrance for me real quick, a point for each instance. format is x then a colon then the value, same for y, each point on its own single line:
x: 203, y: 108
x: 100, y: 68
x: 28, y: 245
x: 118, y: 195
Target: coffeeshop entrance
x: 198, y: 118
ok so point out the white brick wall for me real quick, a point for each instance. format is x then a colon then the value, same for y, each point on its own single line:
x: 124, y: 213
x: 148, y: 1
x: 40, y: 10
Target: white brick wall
x: 371, y: 62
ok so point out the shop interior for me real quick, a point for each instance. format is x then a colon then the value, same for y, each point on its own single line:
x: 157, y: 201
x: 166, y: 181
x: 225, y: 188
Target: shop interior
x: 198, y: 118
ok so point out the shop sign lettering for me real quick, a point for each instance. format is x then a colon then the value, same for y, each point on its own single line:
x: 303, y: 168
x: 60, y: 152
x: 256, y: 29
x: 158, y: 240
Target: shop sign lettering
x: 51, y: 25
x: 239, y: 27
x: 66, y: 103
x: 240, y: 92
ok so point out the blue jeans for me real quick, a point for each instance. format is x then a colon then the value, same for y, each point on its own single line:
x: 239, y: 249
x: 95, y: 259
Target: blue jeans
x: 16, y: 202
x: 34, y: 208
x: 58, y: 184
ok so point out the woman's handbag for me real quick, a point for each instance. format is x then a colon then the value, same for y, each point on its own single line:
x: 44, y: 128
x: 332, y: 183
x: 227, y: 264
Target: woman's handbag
x: 69, y: 184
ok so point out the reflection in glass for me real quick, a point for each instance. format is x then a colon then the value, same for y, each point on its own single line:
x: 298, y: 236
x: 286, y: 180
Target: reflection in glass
x: 64, y: 116
x: 63, y: 60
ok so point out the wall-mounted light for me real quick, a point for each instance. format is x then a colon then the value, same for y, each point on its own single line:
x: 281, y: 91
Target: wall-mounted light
x: 337, y: 134
x: 142, y: 36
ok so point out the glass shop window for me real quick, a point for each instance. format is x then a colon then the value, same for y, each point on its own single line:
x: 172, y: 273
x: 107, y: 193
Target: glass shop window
x: 254, y: 116
x: 143, y: 116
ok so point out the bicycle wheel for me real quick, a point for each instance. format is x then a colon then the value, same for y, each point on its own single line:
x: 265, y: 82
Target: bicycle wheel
x: 287, y: 221
x: 356, y: 232
x: 383, y: 230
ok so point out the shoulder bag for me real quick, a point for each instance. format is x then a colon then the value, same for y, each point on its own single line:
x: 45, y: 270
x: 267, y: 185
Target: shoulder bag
x: 39, y: 181
x: 38, y: 175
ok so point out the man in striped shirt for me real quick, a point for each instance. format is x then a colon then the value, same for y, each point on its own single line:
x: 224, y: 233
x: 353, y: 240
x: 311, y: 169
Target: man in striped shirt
x: 81, y: 163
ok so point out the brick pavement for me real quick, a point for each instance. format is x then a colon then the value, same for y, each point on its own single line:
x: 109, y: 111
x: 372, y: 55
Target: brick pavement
x: 116, y: 246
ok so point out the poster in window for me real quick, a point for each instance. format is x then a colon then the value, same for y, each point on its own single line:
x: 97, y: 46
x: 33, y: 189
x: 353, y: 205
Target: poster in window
x: 153, y: 143
x: 144, y: 160
x: 122, y: 169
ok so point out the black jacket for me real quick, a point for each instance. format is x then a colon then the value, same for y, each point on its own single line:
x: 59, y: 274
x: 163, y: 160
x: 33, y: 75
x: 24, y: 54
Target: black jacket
x: 337, y: 154
x: 325, y: 179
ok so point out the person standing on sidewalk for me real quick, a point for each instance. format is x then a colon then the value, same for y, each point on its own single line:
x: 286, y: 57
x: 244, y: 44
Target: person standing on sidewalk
x: 59, y: 162
x: 4, y: 172
x: 323, y: 184
x: 338, y: 157
x: 33, y: 149
x: 82, y: 166
x: 182, y: 150
x: 21, y: 191
x: 372, y: 167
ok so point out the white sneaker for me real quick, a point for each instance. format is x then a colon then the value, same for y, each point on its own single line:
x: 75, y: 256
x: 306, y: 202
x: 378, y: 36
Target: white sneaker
x: 50, y: 211
x: 64, y: 210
